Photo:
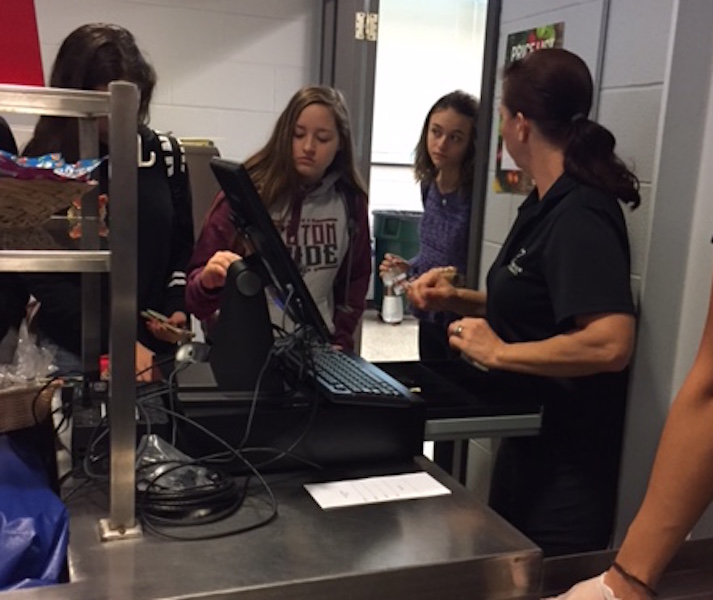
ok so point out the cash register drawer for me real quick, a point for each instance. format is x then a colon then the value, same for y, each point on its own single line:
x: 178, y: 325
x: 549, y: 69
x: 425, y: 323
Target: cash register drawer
x: 465, y: 401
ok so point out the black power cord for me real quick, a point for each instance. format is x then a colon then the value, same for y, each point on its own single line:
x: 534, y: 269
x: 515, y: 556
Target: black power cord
x: 159, y: 509
x: 218, y: 496
x: 202, y: 504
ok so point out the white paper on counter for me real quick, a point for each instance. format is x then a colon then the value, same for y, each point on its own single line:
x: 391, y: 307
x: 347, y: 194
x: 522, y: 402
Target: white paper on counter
x: 338, y: 494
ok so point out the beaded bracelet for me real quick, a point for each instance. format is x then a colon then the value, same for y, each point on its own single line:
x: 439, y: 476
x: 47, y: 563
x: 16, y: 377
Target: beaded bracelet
x: 633, y: 579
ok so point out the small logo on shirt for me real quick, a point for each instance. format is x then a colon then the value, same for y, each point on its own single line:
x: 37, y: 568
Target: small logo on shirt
x: 513, y: 267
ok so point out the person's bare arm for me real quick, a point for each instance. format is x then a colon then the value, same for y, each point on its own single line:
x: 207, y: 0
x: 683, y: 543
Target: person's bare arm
x: 679, y: 490
x: 681, y: 484
x: 600, y: 343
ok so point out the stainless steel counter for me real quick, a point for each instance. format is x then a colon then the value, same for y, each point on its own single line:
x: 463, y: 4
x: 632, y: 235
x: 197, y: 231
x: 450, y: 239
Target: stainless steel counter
x: 444, y: 547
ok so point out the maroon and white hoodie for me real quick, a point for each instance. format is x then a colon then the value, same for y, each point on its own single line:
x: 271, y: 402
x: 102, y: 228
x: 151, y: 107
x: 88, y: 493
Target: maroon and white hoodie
x: 335, y: 265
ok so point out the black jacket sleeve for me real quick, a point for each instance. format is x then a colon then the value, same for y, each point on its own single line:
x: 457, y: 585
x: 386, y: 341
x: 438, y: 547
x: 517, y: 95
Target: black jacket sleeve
x: 182, y: 239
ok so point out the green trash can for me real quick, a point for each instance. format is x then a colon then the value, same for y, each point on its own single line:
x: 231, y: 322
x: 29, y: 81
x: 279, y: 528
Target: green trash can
x: 395, y: 232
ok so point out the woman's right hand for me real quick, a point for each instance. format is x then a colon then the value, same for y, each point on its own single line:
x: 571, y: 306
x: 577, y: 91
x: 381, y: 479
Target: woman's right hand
x: 393, y: 261
x: 432, y: 291
x: 216, y: 269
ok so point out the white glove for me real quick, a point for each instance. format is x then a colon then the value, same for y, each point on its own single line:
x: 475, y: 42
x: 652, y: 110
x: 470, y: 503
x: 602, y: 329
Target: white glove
x: 590, y: 589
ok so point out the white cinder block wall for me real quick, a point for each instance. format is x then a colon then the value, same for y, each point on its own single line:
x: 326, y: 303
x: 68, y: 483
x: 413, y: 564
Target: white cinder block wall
x: 226, y: 67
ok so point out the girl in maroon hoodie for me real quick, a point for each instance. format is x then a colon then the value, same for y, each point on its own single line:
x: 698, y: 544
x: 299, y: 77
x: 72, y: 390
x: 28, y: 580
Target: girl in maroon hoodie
x: 307, y: 179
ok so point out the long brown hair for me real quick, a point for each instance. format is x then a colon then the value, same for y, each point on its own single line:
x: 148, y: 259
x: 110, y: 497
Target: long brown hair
x: 89, y: 58
x: 272, y: 168
x: 465, y: 105
x: 553, y: 88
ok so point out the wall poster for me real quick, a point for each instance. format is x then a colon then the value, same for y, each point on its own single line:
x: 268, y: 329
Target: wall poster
x: 508, y: 177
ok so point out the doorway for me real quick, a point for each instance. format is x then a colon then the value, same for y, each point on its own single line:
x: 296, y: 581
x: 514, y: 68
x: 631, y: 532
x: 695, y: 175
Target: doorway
x: 425, y: 50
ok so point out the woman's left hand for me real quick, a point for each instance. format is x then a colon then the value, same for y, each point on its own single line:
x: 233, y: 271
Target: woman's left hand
x: 476, y: 339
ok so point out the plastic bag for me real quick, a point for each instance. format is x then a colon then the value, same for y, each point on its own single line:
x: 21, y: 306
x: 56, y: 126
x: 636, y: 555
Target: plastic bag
x: 32, y: 363
x: 162, y: 465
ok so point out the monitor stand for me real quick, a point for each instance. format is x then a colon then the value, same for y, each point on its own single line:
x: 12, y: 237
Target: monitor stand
x: 242, y: 338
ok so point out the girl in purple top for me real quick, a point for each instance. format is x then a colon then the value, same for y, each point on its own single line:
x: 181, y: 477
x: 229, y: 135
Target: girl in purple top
x: 444, y: 166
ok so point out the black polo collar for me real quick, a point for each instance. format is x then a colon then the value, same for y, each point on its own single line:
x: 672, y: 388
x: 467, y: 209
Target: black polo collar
x: 560, y: 188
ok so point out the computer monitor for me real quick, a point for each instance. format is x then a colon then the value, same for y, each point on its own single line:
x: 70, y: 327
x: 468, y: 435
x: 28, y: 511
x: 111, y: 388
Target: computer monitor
x: 306, y: 357
x: 284, y: 281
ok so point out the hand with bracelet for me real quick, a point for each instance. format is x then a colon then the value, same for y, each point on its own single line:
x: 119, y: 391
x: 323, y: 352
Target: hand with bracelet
x: 615, y: 584
x: 679, y: 491
x: 630, y: 585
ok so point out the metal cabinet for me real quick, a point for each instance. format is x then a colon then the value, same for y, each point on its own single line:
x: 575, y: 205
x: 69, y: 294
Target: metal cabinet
x: 120, y: 106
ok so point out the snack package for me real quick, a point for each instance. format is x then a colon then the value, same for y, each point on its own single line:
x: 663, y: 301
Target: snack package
x: 32, y: 189
x: 48, y: 166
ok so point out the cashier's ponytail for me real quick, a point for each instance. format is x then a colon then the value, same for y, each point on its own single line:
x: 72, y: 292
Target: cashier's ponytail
x: 553, y: 88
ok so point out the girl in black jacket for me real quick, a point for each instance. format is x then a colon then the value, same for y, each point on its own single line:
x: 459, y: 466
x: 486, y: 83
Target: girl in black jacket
x: 90, y: 58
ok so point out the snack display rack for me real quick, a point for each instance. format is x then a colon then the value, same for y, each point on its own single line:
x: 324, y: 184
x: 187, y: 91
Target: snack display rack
x: 119, y: 105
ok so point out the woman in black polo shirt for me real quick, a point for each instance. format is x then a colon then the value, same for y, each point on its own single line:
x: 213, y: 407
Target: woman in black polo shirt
x: 559, y: 316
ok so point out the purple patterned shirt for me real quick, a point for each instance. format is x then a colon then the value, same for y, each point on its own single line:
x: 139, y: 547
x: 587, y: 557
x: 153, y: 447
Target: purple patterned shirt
x: 443, y: 236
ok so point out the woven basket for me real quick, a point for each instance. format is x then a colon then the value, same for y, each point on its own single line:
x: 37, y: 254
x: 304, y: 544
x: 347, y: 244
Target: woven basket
x: 25, y: 406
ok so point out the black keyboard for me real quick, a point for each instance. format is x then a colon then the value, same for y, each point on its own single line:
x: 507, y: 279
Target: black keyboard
x: 344, y: 377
